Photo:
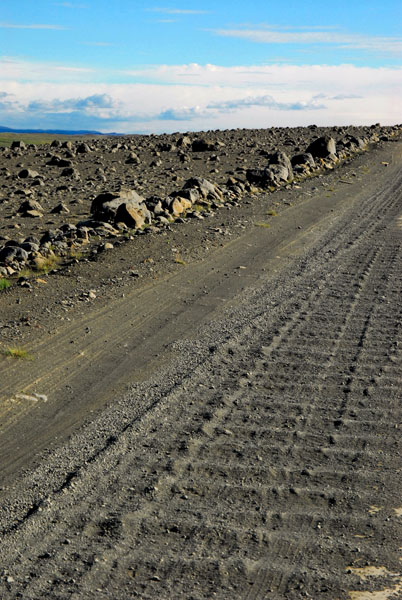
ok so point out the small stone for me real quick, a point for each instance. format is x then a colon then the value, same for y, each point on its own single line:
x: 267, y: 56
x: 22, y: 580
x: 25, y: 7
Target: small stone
x: 60, y: 208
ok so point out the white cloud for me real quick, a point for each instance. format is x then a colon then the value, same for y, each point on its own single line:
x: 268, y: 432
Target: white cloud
x: 212, y: 97
x: 90, y: 104
x: 14, y: 69
x: 100, y: 44
x: 31, y: 26
x: 315, y: 79
x: 178, y: 11
x: 70, y: 5
x: 392, y: 45
x: 268, y: 102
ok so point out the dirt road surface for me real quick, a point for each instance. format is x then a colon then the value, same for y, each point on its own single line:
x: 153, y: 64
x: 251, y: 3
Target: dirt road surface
x: 256, y: 453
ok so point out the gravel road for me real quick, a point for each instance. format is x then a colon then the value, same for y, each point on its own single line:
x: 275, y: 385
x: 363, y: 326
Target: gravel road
x: 266, y: 460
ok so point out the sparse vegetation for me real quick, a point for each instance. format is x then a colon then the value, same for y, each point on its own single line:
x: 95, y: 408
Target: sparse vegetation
x: 272, y: 213
x: 17, y: 352
x: 25, y: 273
x: 75, y: 254
x: 179, y: 260
x: 4, y: 283
x: 45, y: 264
x: 261, y: 224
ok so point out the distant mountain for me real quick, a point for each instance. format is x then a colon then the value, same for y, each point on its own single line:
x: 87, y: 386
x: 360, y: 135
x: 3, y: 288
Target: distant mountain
x: 53, y: 131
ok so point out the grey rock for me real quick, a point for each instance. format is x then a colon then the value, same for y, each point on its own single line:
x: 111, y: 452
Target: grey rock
x: 125, y: 206
x: 203, y: 145
x: 25, y: 173
x: 322, y: 147
x: 166, y: 147
x: 184, y: 142
x: 60, y: 208
x: 281, y: 159
x: 303, y: 159
x: 83, y: 148
x: 68, y: 145
x: 156, y: 163
x: 18, y: 145
x: 273, y: 175
x: 57, y: 161
x: 206, y: 188
x: 28, y: 206
x: 70, y: 172
x: 132, y: 159
x: 29, y: 247
x: 38, y: 182
x: 9, y: 254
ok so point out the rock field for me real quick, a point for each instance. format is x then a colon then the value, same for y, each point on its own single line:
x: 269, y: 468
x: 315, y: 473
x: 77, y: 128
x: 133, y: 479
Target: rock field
x: 68, y: 201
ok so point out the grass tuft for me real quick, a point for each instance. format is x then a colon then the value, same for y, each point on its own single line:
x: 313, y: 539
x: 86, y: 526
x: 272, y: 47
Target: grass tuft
x: 16, y: 352
x: 75, y: 254
x: 44, y: 264
x: 261, y: 224
x: 4, y: 283
x: 27, y: 273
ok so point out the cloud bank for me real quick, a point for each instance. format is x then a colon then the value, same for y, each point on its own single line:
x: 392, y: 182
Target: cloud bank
x: 165, y: 98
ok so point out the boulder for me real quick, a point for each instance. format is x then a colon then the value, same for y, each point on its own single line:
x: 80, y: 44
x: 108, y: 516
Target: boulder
x: 166, y: 147
x: 9, y: 254
x: 132, y: 159
x: 184, y: 142
x: 38, y: 182
x: 30, y: 208
x: 208, y: 190
x: 83, y: 148
x: 303, y: 159
x: 25, y: 173
x: 125, y: 206
x: 273, y: 175
x: 179, y: 205
x: 68, y: 145
x: 131, y: 216
x: 57, y: 161
x: 283, y: 160
x: 156, y: 163
x: 18, y: 145
x: 29, y: 247
x: 60, y: 208
x: 70, y: 172
x: 203, y: 145
x: 353, y: 143
x: 192, y: 194
x: 322, y: 147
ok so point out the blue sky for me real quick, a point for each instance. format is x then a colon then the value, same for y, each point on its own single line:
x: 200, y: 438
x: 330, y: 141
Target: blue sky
x: 138, y: 66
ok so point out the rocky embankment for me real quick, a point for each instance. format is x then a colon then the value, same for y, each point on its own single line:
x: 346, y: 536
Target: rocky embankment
x: 68, y: 201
